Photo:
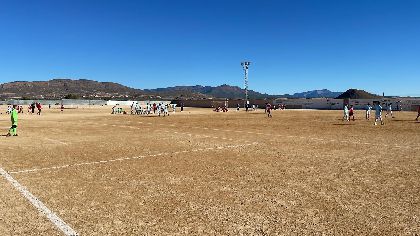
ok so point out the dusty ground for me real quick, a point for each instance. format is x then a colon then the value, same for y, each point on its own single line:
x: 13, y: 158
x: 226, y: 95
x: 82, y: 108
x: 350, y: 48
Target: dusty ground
x: 207, y: 173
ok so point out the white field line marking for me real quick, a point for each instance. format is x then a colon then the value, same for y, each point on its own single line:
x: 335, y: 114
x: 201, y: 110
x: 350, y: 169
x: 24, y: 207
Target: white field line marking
x: 57, y: 221
x: 55, y: 141
x: 127, y: 158
x: 184, y: 133
x: 313, y: 138
x: 267, y: 134
x: 197, y: 135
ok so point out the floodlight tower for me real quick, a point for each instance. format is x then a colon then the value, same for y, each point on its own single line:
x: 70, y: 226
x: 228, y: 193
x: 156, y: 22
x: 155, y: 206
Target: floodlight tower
x: 245, y: 66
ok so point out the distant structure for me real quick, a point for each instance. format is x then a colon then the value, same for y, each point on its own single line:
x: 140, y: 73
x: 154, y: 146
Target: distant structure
x: 245, y: 66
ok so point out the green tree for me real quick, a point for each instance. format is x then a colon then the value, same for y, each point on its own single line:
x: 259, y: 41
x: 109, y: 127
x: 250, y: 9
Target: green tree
x: 71, y: 96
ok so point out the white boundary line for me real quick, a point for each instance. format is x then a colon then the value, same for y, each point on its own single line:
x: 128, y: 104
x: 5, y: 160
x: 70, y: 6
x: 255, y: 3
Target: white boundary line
x: 308, y: 138
x: 57, y: 221
x: 55, y: 141
x: 183, y: 133
x: 275, y: 135
x: 127, y: 158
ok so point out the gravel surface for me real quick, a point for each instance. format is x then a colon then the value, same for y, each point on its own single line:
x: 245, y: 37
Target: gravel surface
x: 205, y: 173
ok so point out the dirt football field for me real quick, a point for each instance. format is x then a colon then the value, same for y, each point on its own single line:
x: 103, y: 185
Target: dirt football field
x: 199, y: 172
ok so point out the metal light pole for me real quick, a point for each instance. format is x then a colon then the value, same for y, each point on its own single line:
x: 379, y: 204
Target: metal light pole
x: 245, y: 66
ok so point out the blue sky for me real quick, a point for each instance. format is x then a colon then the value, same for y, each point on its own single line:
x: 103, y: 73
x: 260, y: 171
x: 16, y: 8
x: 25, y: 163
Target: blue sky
x: 294, y: 46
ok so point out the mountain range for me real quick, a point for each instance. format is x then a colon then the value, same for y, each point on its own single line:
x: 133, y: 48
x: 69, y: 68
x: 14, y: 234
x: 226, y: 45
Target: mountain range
x: 323, y: 93
x: 90, y: 89
x: 60, y: 88
x: 222, y: 91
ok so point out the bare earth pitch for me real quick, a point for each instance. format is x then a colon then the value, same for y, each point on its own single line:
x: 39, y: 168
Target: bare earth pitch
x: 200, y: 172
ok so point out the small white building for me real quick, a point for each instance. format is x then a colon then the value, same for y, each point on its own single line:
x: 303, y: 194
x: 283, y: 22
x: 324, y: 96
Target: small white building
x: 129, y: 103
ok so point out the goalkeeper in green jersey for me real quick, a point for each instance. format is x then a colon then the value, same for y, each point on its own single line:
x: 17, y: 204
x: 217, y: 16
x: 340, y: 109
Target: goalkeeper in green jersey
x: 14, y: 119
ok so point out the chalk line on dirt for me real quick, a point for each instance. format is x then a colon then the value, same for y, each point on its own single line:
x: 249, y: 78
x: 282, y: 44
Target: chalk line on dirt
x: 55, y: 141
x: 56, y: 220
x: 127, y: 158
x: 313, y: 138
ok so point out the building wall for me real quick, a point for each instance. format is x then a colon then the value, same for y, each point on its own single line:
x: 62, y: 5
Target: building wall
x: 405, y: 104
x: 65, y: 102
x: 28, y: 102
x: 315, y: 103
x: 213, y: 103
x: 129, y: 103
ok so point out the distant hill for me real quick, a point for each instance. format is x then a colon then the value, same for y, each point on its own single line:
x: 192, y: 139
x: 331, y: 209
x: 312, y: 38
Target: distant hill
x: 60, y: 88
x: 357, y: 94
x: 90, y: 89
x: 222, y: 91
x: 82, y: 88
x: 323, y: 93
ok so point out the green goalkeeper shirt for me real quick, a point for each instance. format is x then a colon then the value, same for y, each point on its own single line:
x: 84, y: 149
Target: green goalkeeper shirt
x: 14, y: 117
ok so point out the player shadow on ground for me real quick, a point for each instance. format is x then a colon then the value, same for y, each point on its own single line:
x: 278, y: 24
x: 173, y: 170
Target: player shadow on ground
x: 345, y: 124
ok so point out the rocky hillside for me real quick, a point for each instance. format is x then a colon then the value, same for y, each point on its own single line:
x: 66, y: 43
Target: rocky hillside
x: 357, y: 94
x: 198, y: 91
x: 89, y: 89
x: 60, y: 88
x: 323, y: 93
